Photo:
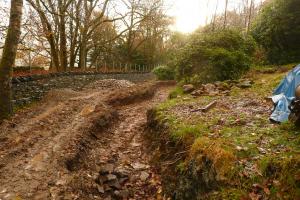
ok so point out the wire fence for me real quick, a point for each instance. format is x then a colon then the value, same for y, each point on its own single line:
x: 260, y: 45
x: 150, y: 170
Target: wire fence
x: 124, y: 68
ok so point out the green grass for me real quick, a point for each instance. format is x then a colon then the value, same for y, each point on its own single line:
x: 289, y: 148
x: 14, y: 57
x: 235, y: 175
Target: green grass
x: 178, y: 91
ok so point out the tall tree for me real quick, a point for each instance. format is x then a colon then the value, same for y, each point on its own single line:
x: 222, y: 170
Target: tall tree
x: 277, y: 29
x: 225, y: 14
x: 8, y: 57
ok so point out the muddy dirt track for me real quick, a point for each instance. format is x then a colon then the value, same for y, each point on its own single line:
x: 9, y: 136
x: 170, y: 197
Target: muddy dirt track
x: 81, y: 145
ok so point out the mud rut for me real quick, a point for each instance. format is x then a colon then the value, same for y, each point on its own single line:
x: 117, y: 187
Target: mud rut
x: 116, y: 165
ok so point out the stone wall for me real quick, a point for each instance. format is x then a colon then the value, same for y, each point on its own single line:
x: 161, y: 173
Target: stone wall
x: 32, y: 88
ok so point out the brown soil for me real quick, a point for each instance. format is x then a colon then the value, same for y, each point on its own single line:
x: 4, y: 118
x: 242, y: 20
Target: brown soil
x: 81, y: 145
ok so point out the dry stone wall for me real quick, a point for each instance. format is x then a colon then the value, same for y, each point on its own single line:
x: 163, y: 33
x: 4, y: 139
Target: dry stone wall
x: 32, y: 88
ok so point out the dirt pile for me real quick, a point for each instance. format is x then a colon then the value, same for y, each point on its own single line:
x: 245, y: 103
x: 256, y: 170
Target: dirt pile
x: 110, y: 84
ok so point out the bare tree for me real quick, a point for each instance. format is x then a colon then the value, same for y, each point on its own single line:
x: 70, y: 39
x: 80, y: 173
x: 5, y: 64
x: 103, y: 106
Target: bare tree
x: 250, y: 15
x: 225, y: 14
x: 215, y: 16
x: 8, y: 57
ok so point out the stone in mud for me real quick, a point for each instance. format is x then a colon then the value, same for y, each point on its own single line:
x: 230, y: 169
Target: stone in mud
x: 123, y: 180
x: 144, y: 176
x: 117, y: 193
x: 101, y: 179
x: 121, y: 173
x: 139, y: 166
x: 114, y: 184
x: 245, y: 84
x: 111, y: 177
x: 100, y: 189
x: 106, y: 169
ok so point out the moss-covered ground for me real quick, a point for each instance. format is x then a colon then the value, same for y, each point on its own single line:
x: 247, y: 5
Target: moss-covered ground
x: 252, y: 158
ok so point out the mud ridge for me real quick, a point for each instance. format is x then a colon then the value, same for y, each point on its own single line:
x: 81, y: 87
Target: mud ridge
x: 195, y: 181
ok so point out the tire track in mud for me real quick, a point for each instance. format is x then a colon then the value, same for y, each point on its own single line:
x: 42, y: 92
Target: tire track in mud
x: 123, y: 157
x: 34, y: 152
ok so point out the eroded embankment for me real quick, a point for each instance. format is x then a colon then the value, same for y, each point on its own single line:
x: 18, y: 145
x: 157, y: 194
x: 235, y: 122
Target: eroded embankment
x: 199, y: 176
x: 230, y: 151
x: 57, y: 149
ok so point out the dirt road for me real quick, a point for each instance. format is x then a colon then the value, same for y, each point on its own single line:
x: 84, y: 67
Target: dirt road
x: 75, y: 146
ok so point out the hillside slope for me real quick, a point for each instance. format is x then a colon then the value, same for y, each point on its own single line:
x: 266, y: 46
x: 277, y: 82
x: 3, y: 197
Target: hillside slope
x: 231, y: 151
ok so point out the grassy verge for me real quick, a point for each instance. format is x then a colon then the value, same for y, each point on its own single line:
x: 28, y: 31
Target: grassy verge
x: 230, y: 152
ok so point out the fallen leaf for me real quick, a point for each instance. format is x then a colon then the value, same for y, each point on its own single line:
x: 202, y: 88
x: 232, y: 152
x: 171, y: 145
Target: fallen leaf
x: 254, y: 196
x: 267, y: 191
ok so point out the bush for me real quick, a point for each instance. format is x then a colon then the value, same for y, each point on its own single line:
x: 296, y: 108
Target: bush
x: 277, y: 29
x: 213, y: 56
x: 164, y: 73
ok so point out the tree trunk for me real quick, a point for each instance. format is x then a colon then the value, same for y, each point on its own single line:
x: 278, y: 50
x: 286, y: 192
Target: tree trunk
x: 63, y: 39
x: 225, y: 15
x: 49, y: 34
x: 82, y: 54
x: 8, y: 57
x: 215, y: 16
x: 250, y: 15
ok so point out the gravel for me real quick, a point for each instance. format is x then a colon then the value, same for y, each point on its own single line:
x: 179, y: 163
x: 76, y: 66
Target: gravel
x: 110, y: 84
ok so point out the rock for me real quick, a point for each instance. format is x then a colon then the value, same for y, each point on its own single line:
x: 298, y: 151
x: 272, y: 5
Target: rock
x: 107, y: 188
x: 144, y: 176
x: 121, y: 173
x: 209, y: 87
x: 123, y: 180
x: 100, y: 189
x: 111, y: 177
x: 188, y: 88
x: 114, y: 184
x: 197, y: 93
x: 117, y: 193
x: 223, y: 86
x: 106, y: 169
x: 245, y: 84
x: 139, y: 166
x: 261, y: 150
x: 101, y: 179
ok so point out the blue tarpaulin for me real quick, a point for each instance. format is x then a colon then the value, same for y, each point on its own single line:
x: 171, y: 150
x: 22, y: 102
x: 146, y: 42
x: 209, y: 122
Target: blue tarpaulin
x: 284, y: 95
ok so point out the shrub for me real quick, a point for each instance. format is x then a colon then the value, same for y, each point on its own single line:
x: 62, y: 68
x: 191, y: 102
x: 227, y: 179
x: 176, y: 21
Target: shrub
x: 213, y: 56
x: 164, y: 73
x: 277, y: 29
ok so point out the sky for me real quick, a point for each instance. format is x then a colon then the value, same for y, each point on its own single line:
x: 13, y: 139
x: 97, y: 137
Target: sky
x: 190, y: 14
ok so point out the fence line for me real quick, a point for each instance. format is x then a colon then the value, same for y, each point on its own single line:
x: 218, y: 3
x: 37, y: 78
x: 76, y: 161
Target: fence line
x: 116, y: 67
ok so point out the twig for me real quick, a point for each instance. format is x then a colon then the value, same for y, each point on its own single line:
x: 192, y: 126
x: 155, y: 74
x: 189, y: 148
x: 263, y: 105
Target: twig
x: 206, y: 108
x: 173, y: 162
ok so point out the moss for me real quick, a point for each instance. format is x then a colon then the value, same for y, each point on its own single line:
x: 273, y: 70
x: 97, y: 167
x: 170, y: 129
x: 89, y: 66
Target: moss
x: 222, y: 159
x: 178, y: 91
x: 228, y: 193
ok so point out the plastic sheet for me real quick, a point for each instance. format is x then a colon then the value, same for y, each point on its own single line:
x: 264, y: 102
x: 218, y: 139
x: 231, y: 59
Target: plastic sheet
x: 284, y: 95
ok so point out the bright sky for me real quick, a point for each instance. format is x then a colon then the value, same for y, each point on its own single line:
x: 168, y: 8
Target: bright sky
x: 190, y: 14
